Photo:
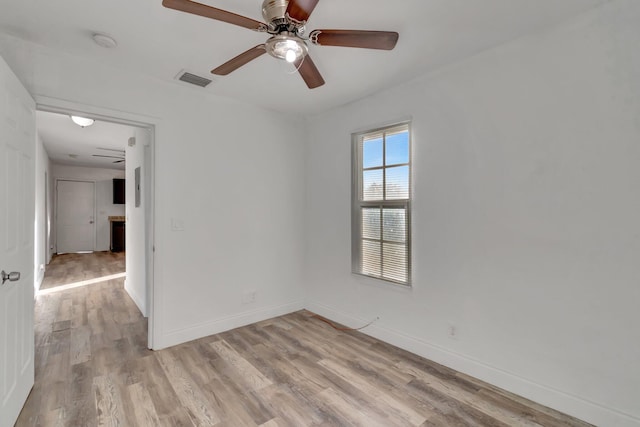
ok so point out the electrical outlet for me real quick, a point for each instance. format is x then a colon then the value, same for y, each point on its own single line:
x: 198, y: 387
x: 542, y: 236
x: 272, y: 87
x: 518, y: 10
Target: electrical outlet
x: 248, y: 297
x: 452, y: 331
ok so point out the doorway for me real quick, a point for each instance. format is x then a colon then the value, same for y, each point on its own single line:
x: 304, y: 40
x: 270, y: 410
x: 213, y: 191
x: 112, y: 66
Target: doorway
x: 137, y: 151
x: 75, y: 216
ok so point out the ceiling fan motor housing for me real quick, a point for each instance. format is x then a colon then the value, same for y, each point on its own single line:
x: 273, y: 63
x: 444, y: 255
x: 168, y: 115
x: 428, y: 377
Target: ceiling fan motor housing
x: 273, y: 11
x: 286, y: 31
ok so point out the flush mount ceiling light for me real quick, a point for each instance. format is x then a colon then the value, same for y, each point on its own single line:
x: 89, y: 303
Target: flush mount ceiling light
x: 104, y: 40
x: 82, y: 121
x: 286, y: 46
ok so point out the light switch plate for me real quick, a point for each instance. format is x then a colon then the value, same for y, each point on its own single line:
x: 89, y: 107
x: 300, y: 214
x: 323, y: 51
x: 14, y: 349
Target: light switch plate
x: 177, y: 224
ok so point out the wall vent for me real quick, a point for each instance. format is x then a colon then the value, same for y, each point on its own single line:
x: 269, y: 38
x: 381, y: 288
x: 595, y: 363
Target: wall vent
x: 194, y: 80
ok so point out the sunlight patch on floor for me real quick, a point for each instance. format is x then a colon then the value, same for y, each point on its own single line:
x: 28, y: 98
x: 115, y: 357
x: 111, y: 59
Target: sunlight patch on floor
x: 80, y: 284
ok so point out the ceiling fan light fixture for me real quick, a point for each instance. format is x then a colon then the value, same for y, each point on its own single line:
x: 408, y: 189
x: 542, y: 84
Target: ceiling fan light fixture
x: 287, y: 47
x: 82, y: 121
x: 290, y: 56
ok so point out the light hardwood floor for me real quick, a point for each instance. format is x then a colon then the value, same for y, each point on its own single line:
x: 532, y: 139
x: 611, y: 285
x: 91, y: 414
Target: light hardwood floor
x: 72, y: 268
x: 93, y: 369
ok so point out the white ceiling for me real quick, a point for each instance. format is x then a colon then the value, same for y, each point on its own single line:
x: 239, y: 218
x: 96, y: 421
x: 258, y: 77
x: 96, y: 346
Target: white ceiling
x: 161, y: 42
x: 63, y: 139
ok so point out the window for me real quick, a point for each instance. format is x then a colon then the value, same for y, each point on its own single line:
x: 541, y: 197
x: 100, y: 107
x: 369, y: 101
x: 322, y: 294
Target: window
x: 381, y: 211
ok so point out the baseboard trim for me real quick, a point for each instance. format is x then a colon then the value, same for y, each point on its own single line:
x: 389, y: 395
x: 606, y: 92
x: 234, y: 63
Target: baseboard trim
x: 567, y: 403
x: 139, y: 300
x: 225, y: 324
x: 38, y: 284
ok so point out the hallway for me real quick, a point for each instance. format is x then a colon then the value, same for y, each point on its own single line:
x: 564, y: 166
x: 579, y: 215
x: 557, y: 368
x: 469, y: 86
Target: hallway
x: 84, y: 335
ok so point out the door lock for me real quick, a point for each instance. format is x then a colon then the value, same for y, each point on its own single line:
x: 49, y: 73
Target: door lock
x: 14, y: 276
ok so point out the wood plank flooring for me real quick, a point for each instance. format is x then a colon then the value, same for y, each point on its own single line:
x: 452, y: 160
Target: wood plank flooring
x: 93, y: 369
x: 72, y: 268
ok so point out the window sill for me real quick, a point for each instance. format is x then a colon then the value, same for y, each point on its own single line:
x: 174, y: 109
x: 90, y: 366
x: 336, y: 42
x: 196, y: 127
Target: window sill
x: 382, y: 283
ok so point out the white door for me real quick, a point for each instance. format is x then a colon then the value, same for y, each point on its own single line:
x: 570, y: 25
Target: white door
x: 76, y: 229
x: 17, y: 213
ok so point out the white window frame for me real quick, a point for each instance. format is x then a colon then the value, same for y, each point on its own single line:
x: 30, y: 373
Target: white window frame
x: 358, y: 203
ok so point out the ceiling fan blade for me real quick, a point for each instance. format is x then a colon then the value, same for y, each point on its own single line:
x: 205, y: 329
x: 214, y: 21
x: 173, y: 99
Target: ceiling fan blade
x: 309, y: 72
x: 300, y: 10
x: 110, y: 157
x: 240, y: 60
x: 214, y: 13
x: 119, y: 161
x: 384, y: 40
x: 111, y: 149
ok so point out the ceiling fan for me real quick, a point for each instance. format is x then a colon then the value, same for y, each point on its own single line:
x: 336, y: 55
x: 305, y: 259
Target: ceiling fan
x: 286, y: 20
x: 120, y: 155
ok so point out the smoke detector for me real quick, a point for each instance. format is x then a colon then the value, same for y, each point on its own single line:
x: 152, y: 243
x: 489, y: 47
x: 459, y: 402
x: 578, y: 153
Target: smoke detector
x: 104, y: 40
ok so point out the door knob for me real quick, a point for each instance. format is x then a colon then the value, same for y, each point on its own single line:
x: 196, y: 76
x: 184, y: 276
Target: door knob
x: 14, y: 276
x: 90, y: 222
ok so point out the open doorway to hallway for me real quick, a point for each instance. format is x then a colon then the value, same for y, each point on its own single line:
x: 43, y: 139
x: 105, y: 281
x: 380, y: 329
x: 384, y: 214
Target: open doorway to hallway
x: 99, y: 224
x: 89, y: 338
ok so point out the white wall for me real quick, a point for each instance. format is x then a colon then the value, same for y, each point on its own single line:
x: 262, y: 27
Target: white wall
x: 230, y: 173
x: 136, y: 229
x: 105, y: 208
x: 526, y: 217
x: 44, y: 212
x: 525, y: 224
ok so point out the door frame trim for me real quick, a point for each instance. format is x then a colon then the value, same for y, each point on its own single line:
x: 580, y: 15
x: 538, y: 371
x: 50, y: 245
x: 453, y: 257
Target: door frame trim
x: 62, y: 106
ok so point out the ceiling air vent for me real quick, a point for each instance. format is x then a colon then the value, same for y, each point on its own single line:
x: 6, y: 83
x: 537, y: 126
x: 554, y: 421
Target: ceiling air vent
x: 194, y: 80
